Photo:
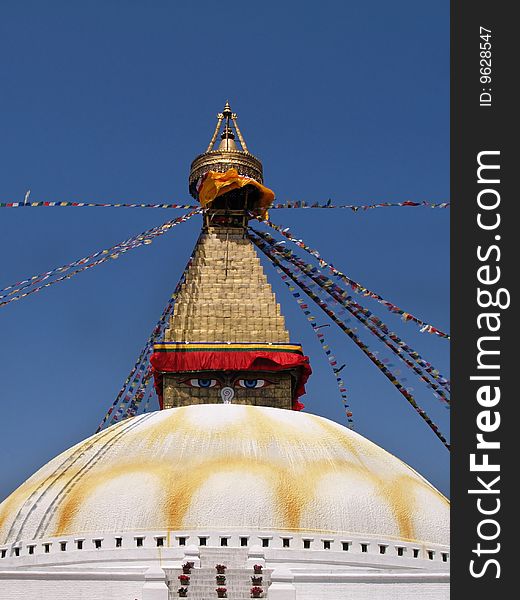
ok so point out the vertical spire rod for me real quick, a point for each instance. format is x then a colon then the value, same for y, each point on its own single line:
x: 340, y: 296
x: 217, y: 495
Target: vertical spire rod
x: 242, y: 142
x: 220, y: 117
x: 227, y: 114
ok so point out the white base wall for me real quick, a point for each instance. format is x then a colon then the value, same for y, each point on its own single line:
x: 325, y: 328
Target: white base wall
x: 88, y: 589
x: 372, y: 591
x: 41, y: 585
x: 126, y: 574
x: 103, y: 584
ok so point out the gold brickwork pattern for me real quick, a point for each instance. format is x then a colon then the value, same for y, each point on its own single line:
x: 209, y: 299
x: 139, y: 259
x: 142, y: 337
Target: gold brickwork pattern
x: 226, y: 297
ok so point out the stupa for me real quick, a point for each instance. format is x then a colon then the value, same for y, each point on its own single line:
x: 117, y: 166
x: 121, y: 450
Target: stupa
x: 229, y: 471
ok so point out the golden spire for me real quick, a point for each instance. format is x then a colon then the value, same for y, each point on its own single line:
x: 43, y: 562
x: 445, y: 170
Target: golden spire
x: 227, y: 340
x: 227, y: 155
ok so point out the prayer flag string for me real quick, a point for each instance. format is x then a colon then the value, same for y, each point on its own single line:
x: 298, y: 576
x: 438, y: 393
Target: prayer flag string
x: 113, y: 252
x: 148, y: 400
x: 287, y: 204
x: 148, y: 392
x: 264, y: 247
x: 93, y: 204
x: 131, y: 402
x: 371, y: 321
x: 141, y: 369
x: 397, y: 350
x: 357, y: 207
x: 357, y: 287
x: 331, y: 358
x: 88, y: 262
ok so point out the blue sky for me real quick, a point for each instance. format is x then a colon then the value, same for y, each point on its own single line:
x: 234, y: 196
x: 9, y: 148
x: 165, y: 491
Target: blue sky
x: 109, y: 101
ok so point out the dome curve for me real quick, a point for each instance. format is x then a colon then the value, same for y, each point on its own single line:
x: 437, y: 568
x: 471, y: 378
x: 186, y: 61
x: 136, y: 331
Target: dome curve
x: 226, y: 466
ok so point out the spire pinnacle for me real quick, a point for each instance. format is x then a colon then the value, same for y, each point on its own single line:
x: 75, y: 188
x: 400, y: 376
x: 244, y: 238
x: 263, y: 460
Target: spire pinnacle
x: 229, y: 118
x: 227, y: 110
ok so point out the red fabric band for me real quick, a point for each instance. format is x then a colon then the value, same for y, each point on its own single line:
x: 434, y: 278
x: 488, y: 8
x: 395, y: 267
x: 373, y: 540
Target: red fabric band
x: 257, y: 360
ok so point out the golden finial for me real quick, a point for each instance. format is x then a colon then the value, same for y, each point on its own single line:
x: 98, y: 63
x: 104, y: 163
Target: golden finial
x: 227, y: 110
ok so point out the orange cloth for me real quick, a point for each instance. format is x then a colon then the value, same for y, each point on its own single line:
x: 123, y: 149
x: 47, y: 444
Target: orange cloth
x: 216, y: 184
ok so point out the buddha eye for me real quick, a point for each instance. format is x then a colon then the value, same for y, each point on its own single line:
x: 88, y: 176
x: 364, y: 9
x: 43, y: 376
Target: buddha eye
x: 252, y: 384
x: 201, y: 383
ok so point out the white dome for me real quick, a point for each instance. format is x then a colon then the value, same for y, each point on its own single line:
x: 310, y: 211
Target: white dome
x: 226, y: 466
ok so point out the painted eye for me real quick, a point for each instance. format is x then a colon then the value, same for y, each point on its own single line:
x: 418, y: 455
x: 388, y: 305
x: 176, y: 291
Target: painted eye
x: 202, y: 383
x: 252, y: 384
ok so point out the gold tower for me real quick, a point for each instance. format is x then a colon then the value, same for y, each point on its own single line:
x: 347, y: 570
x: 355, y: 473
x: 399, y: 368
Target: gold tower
x: 226, y: 340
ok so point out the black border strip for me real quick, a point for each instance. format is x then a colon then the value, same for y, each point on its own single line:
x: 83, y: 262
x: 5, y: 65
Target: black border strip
x: 477, y: 128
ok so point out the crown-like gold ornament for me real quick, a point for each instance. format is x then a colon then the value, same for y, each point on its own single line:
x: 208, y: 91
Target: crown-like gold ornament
x: 227, y: 155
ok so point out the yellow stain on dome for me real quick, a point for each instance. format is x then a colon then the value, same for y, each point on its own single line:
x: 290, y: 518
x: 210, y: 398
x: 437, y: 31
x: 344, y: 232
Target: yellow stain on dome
x: 399, y: 494
x: 179, y: 484
x: 182, y: 489
x: 181, y: 471
x: 161, y: 425
x: 293, y: 489
x: 296, y: 490
x: 13, y: 503
x: 251, y: 424
x: 77, y: 497
x: 397, y: 491
x: 40, y: 484
x: 359, y: 448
